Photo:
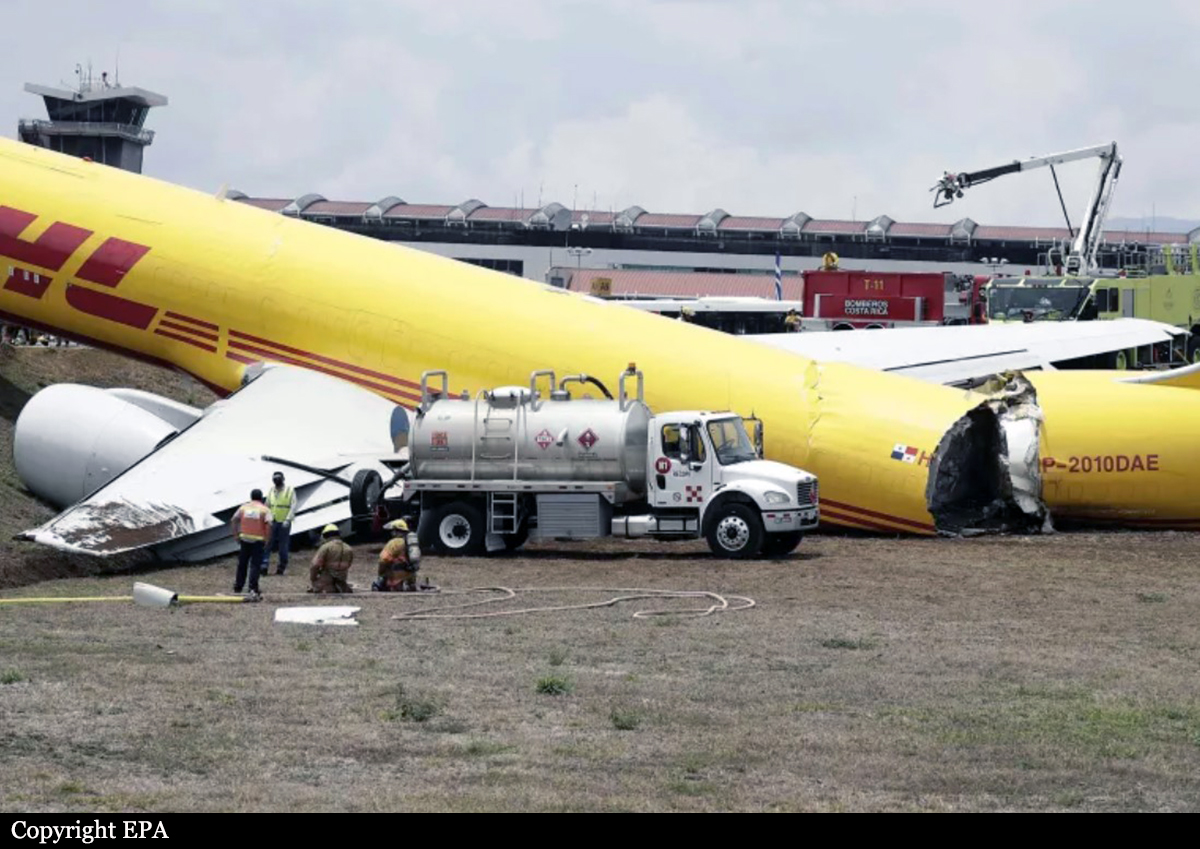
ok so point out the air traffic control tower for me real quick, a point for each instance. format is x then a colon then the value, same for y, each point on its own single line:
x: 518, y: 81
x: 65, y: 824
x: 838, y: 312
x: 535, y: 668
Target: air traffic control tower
x: 102, y: 121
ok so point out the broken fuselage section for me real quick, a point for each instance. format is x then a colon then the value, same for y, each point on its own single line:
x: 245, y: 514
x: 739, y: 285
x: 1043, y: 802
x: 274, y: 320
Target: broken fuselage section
x: 985, y: 476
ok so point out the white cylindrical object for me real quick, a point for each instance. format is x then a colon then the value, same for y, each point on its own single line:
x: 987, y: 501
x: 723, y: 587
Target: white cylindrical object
x: 148, y: 595
x: 70, y: 440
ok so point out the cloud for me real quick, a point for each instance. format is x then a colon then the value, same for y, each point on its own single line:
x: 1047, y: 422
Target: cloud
x: 657, y: 155
x: 760, y: 107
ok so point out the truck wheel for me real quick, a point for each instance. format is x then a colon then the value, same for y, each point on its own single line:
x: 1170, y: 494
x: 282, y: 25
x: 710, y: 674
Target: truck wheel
x: 459, y: 530
x: 736, y: 531
x: 781, y: 545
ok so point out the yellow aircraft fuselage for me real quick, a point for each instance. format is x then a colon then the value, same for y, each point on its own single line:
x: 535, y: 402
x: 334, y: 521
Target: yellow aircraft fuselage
x: 210, y: 285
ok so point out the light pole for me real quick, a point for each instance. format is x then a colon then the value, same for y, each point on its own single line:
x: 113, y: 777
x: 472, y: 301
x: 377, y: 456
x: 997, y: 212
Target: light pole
x: 996, y: 263
x: 579, y: 254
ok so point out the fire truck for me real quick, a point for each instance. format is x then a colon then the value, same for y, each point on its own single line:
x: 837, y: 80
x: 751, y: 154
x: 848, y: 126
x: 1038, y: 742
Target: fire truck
x: 836, y: 299
x: 519, y: 463
x: 1161, y: 284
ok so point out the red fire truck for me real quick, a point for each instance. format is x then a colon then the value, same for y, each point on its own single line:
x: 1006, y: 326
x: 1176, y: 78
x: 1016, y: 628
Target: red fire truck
x: 846, y: 300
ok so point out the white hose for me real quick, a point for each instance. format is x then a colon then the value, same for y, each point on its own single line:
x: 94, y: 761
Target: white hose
x: 719, y: 603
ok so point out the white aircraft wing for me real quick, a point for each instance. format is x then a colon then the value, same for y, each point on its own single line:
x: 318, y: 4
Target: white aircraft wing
x: 177, y: 500
x: 963, y: 353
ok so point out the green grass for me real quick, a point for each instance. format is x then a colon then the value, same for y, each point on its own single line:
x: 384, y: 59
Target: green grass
x: 625, y: 720
x: 554, y: 685
x: 12, y: 676
x: 413, y: 707
x: 844, y: 643
x: 485, y: 748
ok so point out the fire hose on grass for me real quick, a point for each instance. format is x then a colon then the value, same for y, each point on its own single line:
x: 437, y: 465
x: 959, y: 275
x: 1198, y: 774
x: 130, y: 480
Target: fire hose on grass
x: 148, y: 595
x: 145, y: 595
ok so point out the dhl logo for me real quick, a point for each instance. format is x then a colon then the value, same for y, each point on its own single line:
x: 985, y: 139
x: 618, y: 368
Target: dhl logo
x: 43, y: 258
x: 106, y: 266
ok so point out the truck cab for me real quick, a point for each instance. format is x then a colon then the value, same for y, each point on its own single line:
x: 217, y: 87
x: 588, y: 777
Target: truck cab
x: 1028, y: 299
x: 707, y: 470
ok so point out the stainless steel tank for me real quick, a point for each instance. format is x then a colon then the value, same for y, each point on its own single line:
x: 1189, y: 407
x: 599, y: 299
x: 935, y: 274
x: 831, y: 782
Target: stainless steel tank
x: 507, y: 434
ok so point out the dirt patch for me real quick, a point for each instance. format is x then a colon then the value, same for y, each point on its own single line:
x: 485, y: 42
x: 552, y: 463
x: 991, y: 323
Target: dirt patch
x: 1042, y: 673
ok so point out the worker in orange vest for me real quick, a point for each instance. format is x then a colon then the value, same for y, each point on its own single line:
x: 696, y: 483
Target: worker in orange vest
x: 251, y: 525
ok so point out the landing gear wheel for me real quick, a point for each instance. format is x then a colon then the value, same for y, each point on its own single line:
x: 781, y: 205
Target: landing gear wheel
x: 1119, y: 360
x: 781, y: 545
x: 427, y: 530
x: 458, y: 530
x: 736, y: 532
x: 365, y: 490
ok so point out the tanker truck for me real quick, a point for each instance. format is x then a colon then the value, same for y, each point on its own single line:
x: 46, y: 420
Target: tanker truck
x: 516, y: 463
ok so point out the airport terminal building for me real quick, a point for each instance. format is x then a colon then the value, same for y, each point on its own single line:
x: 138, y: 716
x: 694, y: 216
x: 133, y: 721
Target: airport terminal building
x: 548, y: 242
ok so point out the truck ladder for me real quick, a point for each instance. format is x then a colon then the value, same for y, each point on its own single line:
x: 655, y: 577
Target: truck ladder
x: 502, y: 510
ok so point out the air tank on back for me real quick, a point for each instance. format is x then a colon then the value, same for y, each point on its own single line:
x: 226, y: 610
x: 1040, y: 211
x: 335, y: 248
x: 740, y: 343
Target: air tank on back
x: 514, y: 433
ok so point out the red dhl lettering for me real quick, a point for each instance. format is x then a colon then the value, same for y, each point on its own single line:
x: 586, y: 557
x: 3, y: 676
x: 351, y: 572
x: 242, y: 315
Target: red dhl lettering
x: 109, y: 263
x: 26, y: 282
x: 105, y: 266
x: 50, y: 250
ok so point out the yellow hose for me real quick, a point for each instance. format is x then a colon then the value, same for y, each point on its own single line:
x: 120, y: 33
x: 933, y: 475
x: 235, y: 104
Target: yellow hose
x: 183, y: 599
x: 212, y: 599
x: 60, y: 600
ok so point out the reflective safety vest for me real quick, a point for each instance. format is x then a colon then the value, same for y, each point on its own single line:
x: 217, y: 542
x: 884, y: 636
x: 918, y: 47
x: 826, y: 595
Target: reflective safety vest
x: 254, y: 521
x: 281, y: 503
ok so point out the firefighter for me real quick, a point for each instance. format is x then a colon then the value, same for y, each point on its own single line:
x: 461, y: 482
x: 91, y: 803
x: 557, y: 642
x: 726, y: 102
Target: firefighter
x: 399, y: 561
x: 791, y: 321
x: 687, y: 315
x: 251, y: 524
x: 281, y: 498
x: 331, y: 564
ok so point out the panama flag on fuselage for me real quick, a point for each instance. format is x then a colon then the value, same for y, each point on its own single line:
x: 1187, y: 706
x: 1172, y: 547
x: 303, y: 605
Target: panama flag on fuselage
x: 905, y: 453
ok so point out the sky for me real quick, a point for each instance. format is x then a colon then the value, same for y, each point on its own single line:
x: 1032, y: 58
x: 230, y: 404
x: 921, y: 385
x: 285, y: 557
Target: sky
x: 839, y: 110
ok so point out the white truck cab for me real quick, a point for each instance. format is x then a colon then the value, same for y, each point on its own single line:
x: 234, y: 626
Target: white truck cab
x: 706, y: 462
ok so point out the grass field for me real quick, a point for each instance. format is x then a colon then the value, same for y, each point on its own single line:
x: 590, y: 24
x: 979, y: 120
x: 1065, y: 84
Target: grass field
x: 1049, y: 673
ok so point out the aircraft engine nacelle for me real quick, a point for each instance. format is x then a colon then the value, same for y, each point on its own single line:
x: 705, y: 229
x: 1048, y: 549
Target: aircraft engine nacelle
x: 71, y: 439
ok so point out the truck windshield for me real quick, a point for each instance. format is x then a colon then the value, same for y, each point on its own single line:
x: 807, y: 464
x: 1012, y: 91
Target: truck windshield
x: 730, y: 441
x: 1036, y: 303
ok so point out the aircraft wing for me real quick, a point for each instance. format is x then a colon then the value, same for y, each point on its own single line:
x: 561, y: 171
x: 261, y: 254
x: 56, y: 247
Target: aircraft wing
x: 177, y: 501
x: 960, y: 354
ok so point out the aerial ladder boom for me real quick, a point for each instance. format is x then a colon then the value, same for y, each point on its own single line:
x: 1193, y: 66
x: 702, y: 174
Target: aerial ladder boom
x: 1086, y: 243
